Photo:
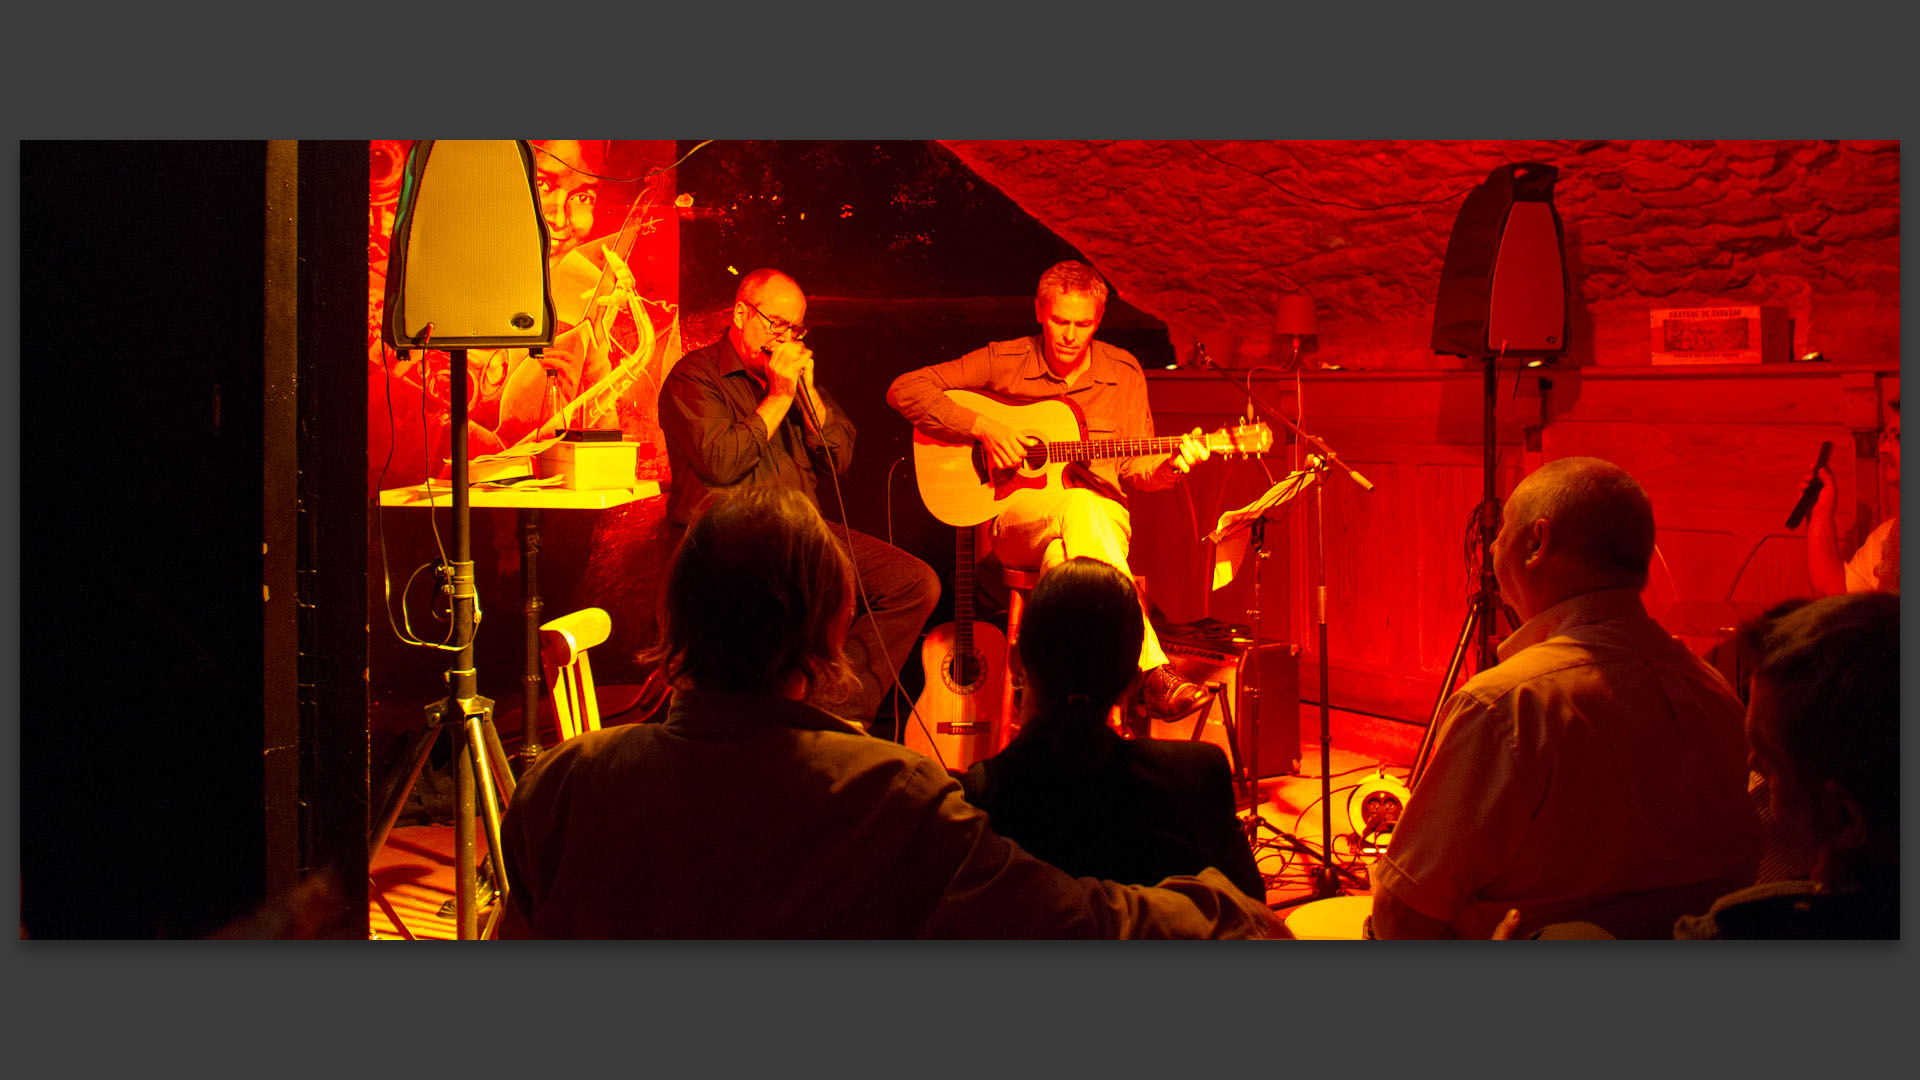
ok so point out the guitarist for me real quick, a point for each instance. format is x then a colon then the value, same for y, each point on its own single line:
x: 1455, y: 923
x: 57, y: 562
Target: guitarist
x: 743, y: 412
x: 1089, y: 515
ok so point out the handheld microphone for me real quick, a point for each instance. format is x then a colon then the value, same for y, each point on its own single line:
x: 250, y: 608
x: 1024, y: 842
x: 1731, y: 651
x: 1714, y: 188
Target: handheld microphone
x: 1812, y: 490
x: 800, y: 391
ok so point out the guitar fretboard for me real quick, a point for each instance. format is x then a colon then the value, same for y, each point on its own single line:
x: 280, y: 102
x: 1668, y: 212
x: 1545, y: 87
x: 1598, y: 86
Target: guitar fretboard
x: 1105, y: 448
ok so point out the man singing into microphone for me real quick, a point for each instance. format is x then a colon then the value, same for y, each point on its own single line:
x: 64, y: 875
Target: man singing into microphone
x: 745, y: 411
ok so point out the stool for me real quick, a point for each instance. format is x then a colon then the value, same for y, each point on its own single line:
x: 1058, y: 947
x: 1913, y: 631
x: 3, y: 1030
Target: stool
x: 1019, y: 581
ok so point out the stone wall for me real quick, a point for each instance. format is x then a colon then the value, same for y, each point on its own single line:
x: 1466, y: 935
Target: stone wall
x: 1208, y: 235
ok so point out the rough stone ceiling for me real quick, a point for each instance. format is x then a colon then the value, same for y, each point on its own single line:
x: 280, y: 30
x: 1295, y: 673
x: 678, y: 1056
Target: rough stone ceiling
x: 1207, y: 235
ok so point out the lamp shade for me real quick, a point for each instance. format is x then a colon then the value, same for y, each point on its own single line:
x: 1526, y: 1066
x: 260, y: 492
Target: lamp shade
x: 1295, y: 317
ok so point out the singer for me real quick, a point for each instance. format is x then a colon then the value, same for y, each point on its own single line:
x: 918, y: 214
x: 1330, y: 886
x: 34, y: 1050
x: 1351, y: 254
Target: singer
x: 745, y: 411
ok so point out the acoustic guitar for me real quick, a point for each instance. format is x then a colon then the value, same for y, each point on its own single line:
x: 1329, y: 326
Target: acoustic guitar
x: 957, y: 720
x: 961, y: 488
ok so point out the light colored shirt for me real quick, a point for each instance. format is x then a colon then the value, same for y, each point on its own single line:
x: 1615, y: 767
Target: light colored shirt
x: 1111, y: 395
x: 1876, y: 566
x: 1597, y: 773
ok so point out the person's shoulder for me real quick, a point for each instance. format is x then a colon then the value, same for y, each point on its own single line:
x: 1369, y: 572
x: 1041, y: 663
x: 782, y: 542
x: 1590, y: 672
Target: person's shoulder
x: 1012, y: 348
x: 1116, y: 355
x: 575, y: 754
x: 870, y: 752
x: 1177, y: 765
x: 703, y: 361
x: 1769, y: 910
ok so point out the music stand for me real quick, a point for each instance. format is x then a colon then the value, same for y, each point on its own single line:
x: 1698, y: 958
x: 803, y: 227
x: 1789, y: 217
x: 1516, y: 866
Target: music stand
x: 1327, y: 879
x: 1251, y: 520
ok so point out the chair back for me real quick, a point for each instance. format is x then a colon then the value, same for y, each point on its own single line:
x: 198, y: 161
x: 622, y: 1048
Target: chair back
x: 563, y: 654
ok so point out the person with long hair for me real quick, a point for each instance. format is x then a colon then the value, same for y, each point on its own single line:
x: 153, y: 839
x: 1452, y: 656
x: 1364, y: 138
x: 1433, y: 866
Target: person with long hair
x: 1068, y: 788
x: 749, y: 813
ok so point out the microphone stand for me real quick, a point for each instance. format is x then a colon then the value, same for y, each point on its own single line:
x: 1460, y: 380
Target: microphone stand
x: 1326, y: 881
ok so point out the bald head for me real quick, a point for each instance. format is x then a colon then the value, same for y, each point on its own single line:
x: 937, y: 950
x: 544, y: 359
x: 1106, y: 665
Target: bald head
x: 1573, y: 526
x: 1600, y: 516
x: 765, y: 284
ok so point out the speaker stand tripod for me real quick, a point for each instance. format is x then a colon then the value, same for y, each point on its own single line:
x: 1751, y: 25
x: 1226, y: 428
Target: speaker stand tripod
x: 1477, y: 628
x: 480, y: 763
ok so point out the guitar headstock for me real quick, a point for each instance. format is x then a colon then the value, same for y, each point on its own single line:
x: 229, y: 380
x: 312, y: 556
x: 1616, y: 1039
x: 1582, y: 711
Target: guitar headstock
x: 1245, y: 439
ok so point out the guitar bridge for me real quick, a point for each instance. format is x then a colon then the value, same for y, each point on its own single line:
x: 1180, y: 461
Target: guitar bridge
x: 962, y: 727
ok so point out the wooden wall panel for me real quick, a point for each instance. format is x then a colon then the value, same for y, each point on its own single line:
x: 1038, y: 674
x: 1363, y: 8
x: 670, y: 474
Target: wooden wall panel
x: 1723, y: 452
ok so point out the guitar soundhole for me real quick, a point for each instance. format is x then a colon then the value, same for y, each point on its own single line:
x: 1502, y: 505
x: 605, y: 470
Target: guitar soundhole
x: 951, y: 675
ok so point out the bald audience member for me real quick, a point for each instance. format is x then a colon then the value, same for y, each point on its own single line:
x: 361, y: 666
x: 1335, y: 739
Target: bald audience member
x: 741, y: 413
x: 1598, y: 773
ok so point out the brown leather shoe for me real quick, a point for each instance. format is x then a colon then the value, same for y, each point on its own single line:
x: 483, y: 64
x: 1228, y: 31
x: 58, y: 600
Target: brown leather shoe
x: 1168, y: 694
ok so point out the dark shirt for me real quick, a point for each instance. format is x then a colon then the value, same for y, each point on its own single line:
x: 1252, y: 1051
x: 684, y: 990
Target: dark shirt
x: 1127, y: 810
x: 1796, y: 910
x: 750, y: 816
x: 715, y: 439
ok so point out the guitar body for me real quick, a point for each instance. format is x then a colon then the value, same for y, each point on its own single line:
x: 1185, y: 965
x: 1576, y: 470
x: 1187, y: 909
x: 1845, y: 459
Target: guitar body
x: 955, y: 482
x: 959, y: 723
x: 960, y: 489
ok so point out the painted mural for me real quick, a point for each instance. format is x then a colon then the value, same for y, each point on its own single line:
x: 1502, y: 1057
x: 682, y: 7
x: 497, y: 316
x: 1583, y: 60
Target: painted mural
x: 613, y: 260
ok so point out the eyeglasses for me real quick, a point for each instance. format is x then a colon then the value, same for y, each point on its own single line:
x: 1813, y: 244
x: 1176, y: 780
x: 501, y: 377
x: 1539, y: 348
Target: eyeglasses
x: 776, y: 327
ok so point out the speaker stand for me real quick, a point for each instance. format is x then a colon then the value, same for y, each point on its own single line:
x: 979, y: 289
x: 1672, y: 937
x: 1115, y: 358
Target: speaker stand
x: 480, y: 764
x: 1482, y: 607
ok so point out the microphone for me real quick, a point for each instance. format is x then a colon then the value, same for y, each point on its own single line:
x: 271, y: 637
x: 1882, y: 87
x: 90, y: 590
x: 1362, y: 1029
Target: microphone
x: 1812, y: 490
x: 800, y: 391
x: 1200, y: 357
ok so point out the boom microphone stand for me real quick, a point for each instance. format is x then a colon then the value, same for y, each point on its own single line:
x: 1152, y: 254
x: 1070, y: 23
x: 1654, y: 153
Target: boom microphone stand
x: 1326, y: 879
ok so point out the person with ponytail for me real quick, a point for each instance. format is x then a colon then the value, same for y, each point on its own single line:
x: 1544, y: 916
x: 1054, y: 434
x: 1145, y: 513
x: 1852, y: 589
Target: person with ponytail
x: 1068, y: 788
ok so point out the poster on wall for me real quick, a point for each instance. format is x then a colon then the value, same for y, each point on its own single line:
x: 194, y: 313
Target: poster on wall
x: 613, y: 258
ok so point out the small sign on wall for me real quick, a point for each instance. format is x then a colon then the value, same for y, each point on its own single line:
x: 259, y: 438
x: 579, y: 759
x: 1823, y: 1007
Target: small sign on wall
x: 1735, y: 334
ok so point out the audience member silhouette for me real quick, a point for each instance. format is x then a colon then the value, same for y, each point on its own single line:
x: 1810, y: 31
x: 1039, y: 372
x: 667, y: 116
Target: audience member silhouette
x: 1068, y: 788
x: 749, y: 813
x: 1824, y: 726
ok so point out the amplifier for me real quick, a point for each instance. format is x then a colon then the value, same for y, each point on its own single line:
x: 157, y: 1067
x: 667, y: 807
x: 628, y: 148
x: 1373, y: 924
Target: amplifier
x: 1212, y: 659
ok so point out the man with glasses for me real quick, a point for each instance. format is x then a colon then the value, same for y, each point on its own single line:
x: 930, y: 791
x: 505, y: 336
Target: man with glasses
x: 745, y: 411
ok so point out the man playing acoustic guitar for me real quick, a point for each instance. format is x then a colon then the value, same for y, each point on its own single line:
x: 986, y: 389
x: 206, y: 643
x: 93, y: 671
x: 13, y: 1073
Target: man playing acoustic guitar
x: 1086, y: 512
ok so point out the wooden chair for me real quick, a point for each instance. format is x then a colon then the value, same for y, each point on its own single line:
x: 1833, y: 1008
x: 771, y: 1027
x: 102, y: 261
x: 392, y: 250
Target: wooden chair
x: 563, y: 654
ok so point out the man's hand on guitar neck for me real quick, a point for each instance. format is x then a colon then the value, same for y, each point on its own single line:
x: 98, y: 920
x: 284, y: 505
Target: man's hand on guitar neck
x: 1193, y: 450
x: 1006, y: 448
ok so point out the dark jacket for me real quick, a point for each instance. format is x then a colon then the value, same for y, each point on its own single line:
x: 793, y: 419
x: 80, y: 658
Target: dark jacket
x: 1133, y: 811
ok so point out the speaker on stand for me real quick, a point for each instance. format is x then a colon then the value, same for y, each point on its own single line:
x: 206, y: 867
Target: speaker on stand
x: 468, y: 268
x: 1503, y: 292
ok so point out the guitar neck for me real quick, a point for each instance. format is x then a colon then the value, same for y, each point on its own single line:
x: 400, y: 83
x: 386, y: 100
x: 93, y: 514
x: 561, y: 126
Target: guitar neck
x: 1109, y: 448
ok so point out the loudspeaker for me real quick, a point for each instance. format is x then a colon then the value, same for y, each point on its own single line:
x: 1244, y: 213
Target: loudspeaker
x: 1279, y: 685
x: 1503, y: 284
x: 469, y: 254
